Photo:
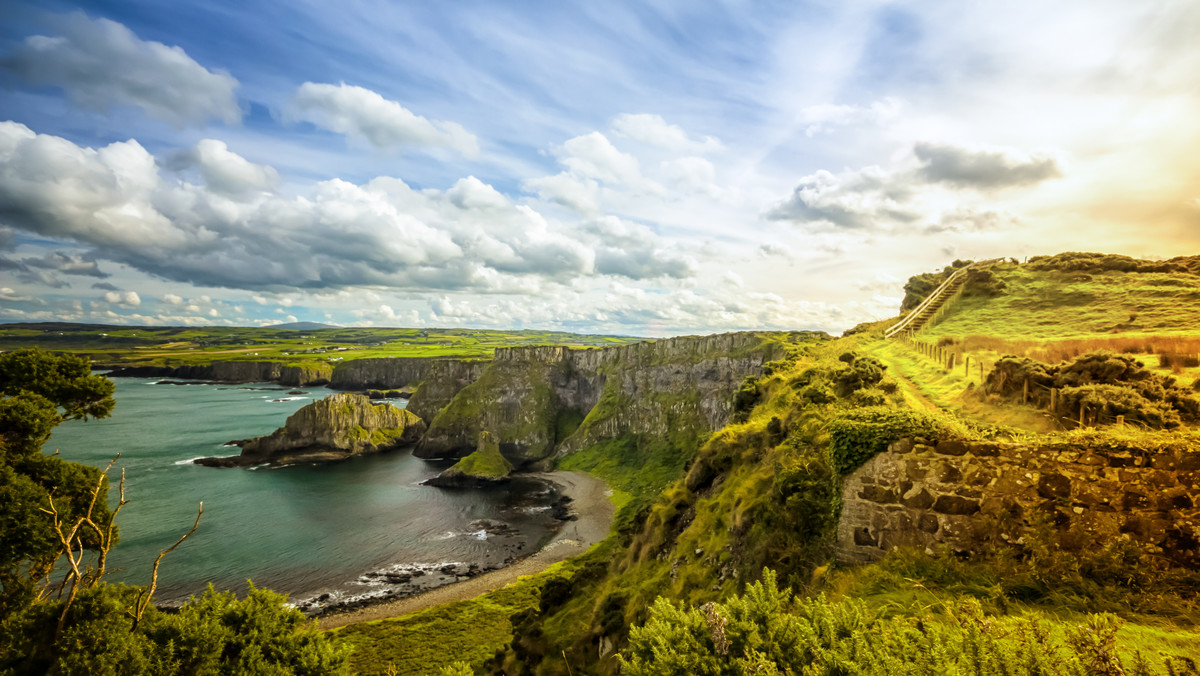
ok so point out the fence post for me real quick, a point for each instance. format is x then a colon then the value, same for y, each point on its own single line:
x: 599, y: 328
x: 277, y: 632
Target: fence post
x: 1025, y: 392
x: 1120, y: 420
x: 1054, y: 400
x: 1082, y: 413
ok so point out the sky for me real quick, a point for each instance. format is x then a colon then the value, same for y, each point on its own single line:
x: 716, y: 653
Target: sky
x: 634, y: 168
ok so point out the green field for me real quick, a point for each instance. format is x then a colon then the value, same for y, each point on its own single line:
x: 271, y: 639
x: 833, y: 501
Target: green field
x: 176, y: 346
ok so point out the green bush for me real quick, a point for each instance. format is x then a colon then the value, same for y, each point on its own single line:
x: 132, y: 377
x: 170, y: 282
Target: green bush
x: 857, y: 436
x: 766, y: 632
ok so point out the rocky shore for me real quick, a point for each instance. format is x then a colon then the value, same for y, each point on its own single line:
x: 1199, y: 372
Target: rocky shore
x: 586, y: 518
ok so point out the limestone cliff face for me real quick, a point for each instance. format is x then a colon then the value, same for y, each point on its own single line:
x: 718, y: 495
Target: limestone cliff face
x: 383, y: 373
x: 337, y: 427
x: 529, y: 396
x: 234, y: 372
x: 444, y: 378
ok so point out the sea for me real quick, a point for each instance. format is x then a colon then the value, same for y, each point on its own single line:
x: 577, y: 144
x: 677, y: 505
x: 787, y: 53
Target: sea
x: 327, y: 535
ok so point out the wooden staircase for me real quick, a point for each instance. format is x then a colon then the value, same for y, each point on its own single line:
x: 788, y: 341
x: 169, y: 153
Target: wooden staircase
x: 935, y: 304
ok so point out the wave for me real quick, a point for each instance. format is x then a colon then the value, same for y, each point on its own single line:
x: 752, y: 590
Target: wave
x: 189, y: 461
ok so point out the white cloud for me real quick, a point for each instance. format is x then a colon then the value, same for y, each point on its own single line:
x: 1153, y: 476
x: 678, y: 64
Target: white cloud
x: 594, y: 156
x: 225, y: 172
x: 172, y: 299
x: 127, y: 299
x: 101, y: 64
x: 938, y: 188
x: 362, y: 113
x: 335, y: 234
x: 654, y: 130
x: 823, y: 117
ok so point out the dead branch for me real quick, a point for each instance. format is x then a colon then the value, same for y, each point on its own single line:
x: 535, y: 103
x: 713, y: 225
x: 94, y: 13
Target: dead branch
x: 144, y: 596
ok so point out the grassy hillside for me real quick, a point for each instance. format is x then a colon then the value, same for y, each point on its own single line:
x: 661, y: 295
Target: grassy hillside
x: 763, y: 494
x: 176, y: 346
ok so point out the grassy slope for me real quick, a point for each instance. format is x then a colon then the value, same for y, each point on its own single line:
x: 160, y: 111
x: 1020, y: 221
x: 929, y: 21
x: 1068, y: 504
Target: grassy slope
x: 185, y: 345
x: 713, y: 526
x: 1051, y: 305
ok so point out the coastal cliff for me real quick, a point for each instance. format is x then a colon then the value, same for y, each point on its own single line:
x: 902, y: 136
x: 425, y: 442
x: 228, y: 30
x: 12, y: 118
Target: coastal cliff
x: 544, y: 401
x: 232, y: 372
x: 337, y: 427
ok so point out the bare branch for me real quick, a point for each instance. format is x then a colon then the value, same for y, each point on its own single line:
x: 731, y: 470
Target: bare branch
x: 145, y: 596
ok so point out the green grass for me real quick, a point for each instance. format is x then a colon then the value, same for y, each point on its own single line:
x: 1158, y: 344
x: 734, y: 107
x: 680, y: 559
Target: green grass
x: 425, y: 641
x: 177, y: 346
x: 485, y: 462
x: 1056, y: 305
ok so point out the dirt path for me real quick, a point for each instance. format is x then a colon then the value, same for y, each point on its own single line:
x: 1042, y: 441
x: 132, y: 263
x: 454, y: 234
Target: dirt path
x: 595, y: 513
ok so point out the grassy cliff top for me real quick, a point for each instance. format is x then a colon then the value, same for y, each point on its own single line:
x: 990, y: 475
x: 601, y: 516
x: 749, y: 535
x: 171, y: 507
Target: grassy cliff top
x: 177, y: 346
x: 1035, y: 301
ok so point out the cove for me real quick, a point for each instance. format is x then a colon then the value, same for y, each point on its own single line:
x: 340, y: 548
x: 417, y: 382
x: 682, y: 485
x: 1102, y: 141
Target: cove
x: 357, y: 529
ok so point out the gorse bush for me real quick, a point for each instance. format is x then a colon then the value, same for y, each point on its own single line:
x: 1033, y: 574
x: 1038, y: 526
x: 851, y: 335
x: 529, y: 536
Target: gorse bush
x: 766, y: 631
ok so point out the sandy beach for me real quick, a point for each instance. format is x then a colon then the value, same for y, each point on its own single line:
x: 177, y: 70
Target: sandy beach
x: 594, y: 512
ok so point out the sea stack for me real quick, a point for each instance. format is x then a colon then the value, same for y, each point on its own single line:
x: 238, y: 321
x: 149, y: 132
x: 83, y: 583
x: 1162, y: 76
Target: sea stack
x: 338, y: 427
x: 485, y: 467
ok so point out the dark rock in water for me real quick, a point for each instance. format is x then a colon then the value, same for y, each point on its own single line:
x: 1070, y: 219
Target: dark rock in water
x: 337, y: 427
x: 297, y: 392
x: 389, y: 394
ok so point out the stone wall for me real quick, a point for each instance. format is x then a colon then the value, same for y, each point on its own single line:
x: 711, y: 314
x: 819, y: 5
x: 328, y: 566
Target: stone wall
x: 970, y: 496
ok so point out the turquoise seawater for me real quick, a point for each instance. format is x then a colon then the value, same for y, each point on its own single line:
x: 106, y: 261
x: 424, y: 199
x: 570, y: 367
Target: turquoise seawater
x: 304, y: 530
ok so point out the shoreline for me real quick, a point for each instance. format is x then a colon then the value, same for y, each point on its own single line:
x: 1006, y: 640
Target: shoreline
x: 594, y: 514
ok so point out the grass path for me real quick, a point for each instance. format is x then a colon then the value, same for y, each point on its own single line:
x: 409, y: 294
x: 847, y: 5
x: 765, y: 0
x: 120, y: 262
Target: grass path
x: 591, y: 504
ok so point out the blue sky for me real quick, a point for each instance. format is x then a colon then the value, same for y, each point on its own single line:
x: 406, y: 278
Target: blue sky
x: 637, y: 168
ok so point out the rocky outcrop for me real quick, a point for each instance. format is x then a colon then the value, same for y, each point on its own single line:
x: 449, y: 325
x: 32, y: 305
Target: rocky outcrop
x: 528, y: 395
x: 337, y: 427
x: 232, y: 372
x: 487, y: 466
x: 443, y: 379
x: 975, y: 496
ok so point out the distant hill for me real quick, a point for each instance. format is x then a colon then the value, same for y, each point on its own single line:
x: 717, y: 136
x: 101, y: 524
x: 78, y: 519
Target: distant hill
x: 303, y: 326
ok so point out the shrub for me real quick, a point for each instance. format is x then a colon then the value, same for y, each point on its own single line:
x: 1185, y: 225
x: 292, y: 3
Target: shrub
x: 862, y: 373
x: 857, y: 436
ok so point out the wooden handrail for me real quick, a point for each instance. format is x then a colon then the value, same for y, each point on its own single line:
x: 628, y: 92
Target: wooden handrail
x: 934, y: 298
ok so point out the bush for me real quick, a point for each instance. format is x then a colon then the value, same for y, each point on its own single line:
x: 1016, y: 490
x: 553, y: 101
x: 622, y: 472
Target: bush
x: 859, y: 435
x: 766, y: 632
x: 862, y: 373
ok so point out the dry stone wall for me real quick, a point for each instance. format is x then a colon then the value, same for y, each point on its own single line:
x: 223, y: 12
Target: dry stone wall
x: 970, y: 496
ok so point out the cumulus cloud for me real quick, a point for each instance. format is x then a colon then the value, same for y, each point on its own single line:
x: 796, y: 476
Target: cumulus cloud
x: 172, y: 299
x: 336, y: 234
x: 594, y: 156
x: 864, y: 199
x: 655, y: 131
x: 101, y: 64
x: 983, y: 169
x: 361, y: 113
x: 127, y: 299
x: 224, y: 172
x: 823, y: 117
x: 874, y: 198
